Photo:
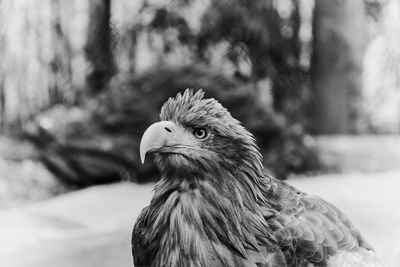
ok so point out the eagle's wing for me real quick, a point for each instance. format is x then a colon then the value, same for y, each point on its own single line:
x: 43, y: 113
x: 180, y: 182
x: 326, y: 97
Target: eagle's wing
x: 311, y: 228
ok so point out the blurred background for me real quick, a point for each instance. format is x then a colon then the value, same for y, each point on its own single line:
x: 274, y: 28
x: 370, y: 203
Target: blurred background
x: 316, y: 81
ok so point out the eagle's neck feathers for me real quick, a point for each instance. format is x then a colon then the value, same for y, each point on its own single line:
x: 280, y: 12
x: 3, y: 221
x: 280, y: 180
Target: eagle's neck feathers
x: 196, y: 214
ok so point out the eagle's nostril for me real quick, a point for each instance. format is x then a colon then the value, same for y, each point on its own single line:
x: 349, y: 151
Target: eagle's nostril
x: 168, y: 129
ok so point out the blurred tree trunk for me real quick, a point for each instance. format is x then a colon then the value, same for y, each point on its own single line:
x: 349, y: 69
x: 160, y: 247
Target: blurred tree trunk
x: 2, y: 103
x: 98, y: 46
x: 2, y: 88
x: 338, y: 46
x: 60, y: 85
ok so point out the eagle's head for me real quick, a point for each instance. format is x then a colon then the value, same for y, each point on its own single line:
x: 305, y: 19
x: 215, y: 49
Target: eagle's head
x: 197, y: 134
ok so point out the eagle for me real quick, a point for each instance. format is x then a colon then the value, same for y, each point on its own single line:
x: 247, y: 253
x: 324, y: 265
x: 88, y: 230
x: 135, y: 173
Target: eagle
x: 215, y: 206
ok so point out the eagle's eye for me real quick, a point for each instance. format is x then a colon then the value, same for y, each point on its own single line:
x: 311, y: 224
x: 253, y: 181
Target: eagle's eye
x: 200, y: 133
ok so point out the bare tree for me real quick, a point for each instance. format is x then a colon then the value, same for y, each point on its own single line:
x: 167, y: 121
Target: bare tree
x: 98, y: 46
x: 338, y: 46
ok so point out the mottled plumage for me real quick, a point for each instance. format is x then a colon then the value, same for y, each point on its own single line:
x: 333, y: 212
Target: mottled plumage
x: 214, y: 206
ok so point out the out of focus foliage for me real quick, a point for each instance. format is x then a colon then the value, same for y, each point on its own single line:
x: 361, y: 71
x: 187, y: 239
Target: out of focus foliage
x: 246, y: 54
x: 256, y: 41
x: 99, y: 142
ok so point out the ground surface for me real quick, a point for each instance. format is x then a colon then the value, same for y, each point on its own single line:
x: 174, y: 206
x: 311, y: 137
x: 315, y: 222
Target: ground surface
x: 92, y: 227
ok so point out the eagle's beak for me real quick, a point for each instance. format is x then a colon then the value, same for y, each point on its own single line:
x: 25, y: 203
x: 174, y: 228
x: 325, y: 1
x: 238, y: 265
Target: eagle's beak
x: 156, y: 136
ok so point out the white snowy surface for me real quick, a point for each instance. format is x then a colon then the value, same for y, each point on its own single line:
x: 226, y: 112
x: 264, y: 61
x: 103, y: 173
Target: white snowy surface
x: 92, y: 227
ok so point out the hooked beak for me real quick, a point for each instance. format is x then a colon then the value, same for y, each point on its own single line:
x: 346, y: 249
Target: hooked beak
x: 156, y: 136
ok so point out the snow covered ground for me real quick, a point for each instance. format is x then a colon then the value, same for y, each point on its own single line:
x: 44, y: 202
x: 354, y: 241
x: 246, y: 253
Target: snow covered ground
x: 92, y: 227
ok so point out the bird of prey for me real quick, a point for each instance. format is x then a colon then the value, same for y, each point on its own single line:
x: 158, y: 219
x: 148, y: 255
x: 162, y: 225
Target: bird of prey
x: 215, y: 206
